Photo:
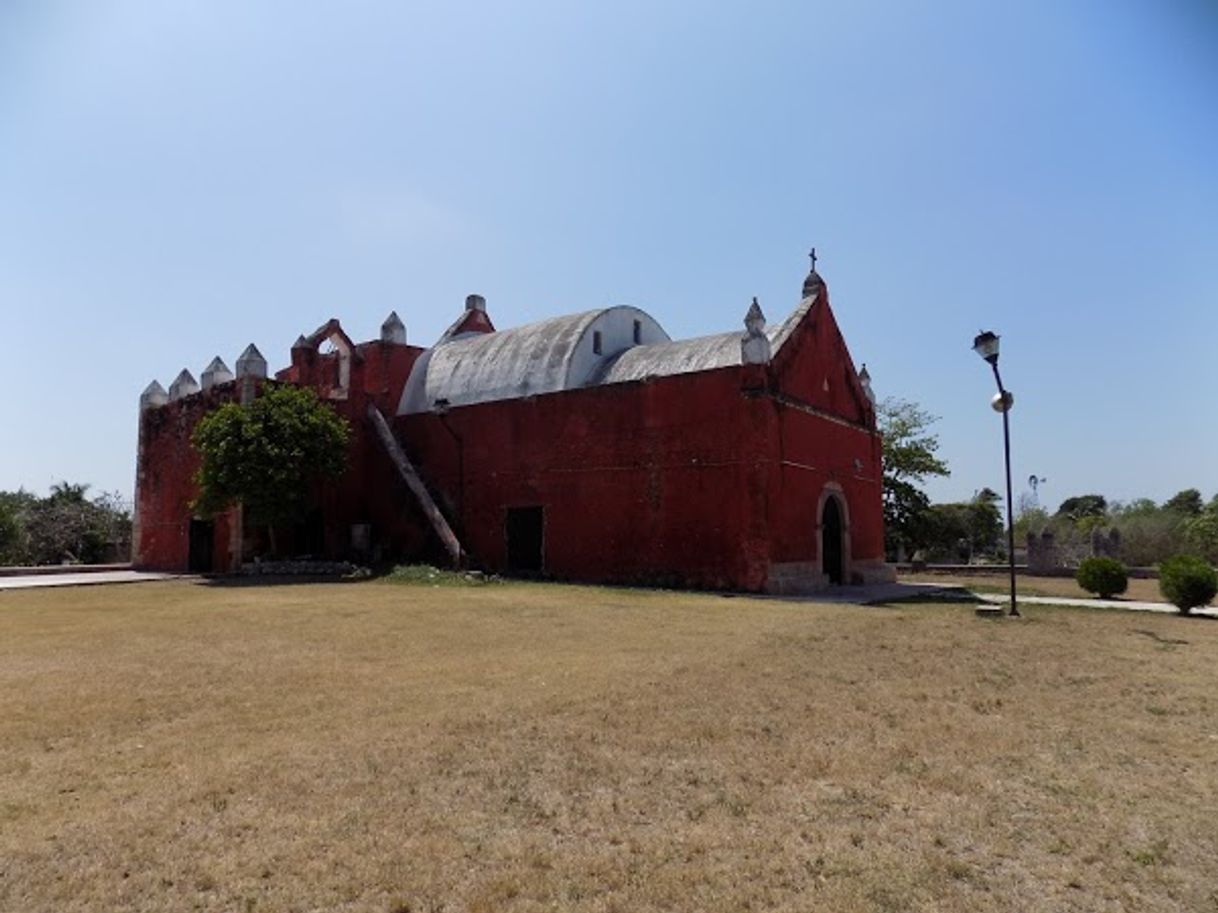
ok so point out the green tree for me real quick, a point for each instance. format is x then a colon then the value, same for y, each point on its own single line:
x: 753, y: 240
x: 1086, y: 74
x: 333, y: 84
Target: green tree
x: 1202, y: 531
x: 909, y: 448
x: 1032, y: 520
x: 267, y: 454
x: 944, y: 532
x: 10, y: 535
x: 65, y: 526
x: 1083, y: 506
x: 961, y: 530
x: 68, y: 492
x: 66, y: 531
x: 14, y: 541
x: 985, y: 521
x: 1138, y: 507
x: 1187, y: 502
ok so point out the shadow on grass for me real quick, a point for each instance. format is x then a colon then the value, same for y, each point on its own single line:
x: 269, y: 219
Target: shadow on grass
x: 270, y: 580
x: 948, y: 597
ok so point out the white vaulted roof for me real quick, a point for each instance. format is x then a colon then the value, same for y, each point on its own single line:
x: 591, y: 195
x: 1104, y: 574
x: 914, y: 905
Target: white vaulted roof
x: 543, y: 357
x: 684, y: 356
x: 557, y: 354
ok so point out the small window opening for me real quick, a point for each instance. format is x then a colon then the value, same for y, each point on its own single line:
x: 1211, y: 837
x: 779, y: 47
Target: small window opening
x: 638, y: 332
x: 596, y: 342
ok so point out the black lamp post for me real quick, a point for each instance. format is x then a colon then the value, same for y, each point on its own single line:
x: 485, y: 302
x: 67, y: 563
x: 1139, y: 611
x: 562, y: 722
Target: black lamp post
x: 986, y: 345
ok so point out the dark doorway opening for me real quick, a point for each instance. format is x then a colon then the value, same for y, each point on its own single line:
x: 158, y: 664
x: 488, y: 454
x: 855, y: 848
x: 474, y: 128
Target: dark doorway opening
x: 831, y: 541
x: 311, y: 535
x: 202, y: 546
x: 524, y: 527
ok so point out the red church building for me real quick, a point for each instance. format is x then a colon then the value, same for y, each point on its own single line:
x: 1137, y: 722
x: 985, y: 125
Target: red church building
x: 588, y: 447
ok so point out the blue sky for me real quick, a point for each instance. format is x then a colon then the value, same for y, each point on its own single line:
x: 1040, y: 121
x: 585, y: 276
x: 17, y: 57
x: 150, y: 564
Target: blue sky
x: 179, y: 178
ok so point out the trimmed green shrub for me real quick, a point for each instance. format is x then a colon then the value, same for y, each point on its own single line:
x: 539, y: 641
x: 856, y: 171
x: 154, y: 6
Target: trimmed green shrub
x: 1106, y: 577
x: 426, y: 575
x: 1187, y: 582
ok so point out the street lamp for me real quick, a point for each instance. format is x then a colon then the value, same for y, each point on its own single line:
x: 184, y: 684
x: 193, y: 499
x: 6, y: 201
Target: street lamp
x: 986, y: 345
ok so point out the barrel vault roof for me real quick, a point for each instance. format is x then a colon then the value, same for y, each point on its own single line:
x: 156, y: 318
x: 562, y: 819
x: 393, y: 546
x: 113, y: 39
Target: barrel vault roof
x: 547, y: 356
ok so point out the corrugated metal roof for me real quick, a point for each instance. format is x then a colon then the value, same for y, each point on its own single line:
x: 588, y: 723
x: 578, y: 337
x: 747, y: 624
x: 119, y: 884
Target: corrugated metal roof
x: 682, y: 357
x: 507, y: 364
x: 687, y: 356
x: 551, y: 355
x: 543, y: 357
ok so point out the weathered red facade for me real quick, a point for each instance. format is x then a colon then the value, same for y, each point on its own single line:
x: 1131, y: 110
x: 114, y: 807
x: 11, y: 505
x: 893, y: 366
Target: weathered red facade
x: 758, y: 472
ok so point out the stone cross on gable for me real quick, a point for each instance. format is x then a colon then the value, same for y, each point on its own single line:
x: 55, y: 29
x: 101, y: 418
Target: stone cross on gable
x: 812, y: 255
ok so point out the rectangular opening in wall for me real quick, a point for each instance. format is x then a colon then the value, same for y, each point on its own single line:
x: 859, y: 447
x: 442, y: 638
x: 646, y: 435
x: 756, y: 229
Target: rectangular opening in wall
x: 638, y: 332
x: 202, y: 545
x: 524, y: 528
x: 596, y: 342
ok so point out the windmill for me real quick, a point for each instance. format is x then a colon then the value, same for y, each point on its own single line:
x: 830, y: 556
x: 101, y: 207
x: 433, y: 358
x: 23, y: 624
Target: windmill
x: 1034, y: 483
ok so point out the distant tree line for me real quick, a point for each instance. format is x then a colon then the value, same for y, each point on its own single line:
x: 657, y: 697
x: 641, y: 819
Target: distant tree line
x: 66, y: 526
x: 1149, y: 532
x: 959, y: 531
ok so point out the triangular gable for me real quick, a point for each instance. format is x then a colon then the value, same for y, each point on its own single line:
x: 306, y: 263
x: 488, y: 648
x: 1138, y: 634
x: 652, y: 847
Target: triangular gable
x: 812, y: 364
x: 471, y: 321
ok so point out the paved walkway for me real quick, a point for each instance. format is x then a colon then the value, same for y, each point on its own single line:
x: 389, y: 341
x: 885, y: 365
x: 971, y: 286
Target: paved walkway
x: 30, y: 581
x: 911, y: 592
x: 1128, y: 605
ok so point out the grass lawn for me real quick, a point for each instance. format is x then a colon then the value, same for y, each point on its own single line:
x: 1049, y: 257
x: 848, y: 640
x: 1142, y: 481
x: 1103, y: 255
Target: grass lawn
x: 390, y: 748
x: 1139, y: 590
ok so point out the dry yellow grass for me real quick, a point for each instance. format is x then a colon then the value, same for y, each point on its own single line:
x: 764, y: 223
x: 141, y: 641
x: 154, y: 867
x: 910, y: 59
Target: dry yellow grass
x: 390, y: 748
x: 1139, y: 590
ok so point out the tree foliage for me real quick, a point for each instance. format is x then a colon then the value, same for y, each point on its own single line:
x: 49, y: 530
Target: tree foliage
x: 1201, y: 531
x: 961, y: 530
x: 1187, y: 502
x: 909, y: 444
x: 1083, y: 506
x: 10, y: 535
x: 909, y: 452
x: 266, y: 454
x: 63, y: 527
x: 1149, y: 532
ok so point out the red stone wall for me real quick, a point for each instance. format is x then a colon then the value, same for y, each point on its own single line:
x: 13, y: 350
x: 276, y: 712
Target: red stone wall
x: 701, y: 480
x: 694, y: 480
x: 816, y: 452
x: 165, y: 484
x: 657, y: 482
x: 368, y: 492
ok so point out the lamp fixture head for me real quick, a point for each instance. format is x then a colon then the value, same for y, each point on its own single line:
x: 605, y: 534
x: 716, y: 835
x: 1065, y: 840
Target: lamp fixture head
x: 985, y: 344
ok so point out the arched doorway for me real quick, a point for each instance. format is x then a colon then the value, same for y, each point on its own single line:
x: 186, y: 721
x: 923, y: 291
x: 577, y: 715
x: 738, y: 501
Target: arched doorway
x: 832, y: 541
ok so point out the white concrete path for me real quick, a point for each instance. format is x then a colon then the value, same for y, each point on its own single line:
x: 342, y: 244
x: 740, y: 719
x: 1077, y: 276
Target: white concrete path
x: 912, y: 592
x: 30, y: 581
x: 1128, y: 605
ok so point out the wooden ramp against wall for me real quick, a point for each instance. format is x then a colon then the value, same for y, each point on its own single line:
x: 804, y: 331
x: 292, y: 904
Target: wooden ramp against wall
x: 415, y: 483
